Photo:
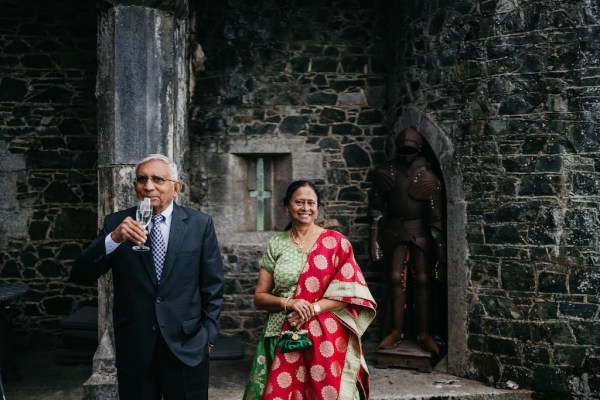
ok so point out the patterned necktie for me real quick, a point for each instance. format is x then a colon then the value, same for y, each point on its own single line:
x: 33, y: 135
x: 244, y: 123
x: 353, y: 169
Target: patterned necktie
x: 159, y: 249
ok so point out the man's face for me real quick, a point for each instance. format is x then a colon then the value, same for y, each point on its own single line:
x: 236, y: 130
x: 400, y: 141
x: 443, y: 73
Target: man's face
x: 160, y: 192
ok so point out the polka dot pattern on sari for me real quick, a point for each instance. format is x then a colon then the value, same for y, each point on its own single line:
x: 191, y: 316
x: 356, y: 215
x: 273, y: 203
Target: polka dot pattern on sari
x: 317, y: 372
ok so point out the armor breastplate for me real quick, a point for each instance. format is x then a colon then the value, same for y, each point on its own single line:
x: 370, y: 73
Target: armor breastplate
x: 406, y: 219
x: 401, y: 205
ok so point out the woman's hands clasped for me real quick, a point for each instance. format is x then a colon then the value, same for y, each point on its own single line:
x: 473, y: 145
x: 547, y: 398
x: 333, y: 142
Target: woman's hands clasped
x: 301, y: 311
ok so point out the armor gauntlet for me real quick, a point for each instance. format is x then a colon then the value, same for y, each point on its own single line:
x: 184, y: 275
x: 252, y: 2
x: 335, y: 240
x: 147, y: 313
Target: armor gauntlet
x: 376, y: 207
x: 374, y: 247
x: 439, y: 243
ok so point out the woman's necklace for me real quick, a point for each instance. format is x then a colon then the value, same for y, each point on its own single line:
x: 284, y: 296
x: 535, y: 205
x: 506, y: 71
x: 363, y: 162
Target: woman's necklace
x: 300, y: 244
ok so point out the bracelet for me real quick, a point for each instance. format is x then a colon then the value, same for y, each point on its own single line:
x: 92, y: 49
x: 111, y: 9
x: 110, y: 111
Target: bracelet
x: 285, y: 304
x: 316, y: 308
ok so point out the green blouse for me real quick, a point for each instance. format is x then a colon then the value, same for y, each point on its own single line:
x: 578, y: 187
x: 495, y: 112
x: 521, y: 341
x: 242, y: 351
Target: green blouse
x: 285, y: 262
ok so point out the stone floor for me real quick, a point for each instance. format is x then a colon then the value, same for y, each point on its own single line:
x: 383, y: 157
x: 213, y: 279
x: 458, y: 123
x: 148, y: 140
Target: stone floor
x: 43, y: 379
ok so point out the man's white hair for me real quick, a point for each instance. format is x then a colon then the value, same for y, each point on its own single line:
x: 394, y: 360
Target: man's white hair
x: 172, y: 166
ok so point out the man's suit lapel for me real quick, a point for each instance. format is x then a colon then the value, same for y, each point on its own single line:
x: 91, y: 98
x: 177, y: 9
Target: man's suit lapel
x: 178, y: 230
x: 149, y: 263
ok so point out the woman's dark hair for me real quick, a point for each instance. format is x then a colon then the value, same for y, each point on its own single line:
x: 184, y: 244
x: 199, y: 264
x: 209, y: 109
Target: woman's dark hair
x: 292, y: 189
x: 297, y: 185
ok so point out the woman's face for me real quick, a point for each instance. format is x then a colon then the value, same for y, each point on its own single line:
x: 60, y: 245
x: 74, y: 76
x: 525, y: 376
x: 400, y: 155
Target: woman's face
x: 303, y: 206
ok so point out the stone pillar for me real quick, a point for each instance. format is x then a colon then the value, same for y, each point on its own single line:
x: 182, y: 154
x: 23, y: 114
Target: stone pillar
x: 142, y: 95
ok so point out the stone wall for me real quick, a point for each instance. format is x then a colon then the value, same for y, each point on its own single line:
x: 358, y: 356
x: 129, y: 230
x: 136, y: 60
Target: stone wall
x: 48, y: 184
x: 307, y: 76
x: 507, y: 93
x: 514, y: 85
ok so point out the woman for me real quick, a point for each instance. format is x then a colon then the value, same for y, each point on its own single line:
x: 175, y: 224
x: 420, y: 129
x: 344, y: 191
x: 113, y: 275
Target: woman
x: 309, y: 280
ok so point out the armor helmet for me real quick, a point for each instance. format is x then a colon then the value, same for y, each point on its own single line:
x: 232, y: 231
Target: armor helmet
x: 408, y: 141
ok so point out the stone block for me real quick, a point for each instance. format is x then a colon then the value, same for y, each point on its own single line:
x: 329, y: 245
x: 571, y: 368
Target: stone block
x: 12, y: 89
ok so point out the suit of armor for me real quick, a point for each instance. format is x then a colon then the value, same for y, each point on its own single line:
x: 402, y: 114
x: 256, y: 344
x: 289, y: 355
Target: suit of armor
x: 411, y: 236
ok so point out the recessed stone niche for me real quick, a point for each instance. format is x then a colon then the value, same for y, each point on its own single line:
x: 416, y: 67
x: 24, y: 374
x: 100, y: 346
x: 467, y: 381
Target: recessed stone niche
x: 245, y: 180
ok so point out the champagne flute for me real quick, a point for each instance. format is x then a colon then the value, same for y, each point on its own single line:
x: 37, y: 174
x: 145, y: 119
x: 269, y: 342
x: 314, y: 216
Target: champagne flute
x: 143, y: 215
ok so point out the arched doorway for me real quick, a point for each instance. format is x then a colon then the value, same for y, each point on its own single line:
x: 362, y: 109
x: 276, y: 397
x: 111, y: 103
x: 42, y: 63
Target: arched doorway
x: 444, y: 152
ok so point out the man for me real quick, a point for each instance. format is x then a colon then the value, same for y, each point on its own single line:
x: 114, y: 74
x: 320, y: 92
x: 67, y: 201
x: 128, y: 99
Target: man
x: 167, y: 302
x: 412, y: 236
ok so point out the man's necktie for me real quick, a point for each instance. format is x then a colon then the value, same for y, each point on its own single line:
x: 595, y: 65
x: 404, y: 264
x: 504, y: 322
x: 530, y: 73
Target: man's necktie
x: 159, y: 248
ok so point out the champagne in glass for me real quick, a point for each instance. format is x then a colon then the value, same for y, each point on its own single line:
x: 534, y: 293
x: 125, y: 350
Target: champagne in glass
x: 143, y: 215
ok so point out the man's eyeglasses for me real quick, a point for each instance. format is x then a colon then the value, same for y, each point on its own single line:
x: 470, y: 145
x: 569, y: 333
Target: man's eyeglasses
x: 157, y: 180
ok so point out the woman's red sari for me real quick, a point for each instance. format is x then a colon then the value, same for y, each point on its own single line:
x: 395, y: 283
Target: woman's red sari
x: 334, y: 366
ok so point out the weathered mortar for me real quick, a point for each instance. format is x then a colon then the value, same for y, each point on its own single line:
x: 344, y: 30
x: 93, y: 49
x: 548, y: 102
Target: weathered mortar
x: 310, y: 78
x: 48, y: 152
x: 515, y: 88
